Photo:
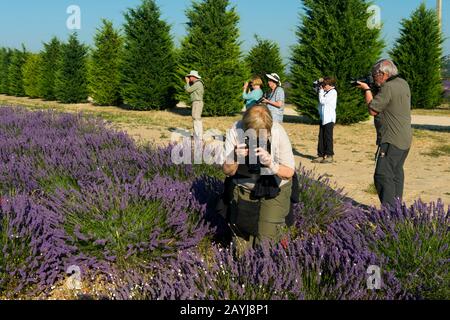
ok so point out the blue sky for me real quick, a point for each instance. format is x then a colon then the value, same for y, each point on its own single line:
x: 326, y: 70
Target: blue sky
x: 31, y: 22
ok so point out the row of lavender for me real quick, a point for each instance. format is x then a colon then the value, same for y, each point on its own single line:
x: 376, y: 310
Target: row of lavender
x: 76, y: 193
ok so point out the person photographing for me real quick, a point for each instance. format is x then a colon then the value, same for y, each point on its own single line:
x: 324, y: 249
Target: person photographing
x: 194, y: 86
x: 326, y: 88
x: 260, y: 197
x: 276, y: 97
x: 252, y: 92
x: 391, y: 107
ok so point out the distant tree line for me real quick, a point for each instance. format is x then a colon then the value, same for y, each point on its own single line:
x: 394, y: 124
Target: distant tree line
x: 140, y: 68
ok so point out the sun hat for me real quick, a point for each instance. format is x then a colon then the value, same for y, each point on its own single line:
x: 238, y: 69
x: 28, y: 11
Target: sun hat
x: 275, y: 77
x: 194, y: 73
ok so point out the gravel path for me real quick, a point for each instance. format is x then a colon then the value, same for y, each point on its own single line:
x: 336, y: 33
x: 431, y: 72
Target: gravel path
x: 420, y: 120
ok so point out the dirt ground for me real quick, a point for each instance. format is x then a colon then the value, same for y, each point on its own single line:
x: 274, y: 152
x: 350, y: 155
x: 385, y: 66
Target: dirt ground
x: 427, y: 169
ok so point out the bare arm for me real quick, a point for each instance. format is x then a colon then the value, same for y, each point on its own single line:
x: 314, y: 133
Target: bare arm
x: 230, y: 169
x: 277, y: 104
x: 369, y: 97
x: 285, y: 173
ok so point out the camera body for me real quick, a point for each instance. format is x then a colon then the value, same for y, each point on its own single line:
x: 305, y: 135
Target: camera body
x: 261, y: 100
x: 318, y: 84
x: 254, y: 168
x: 368, y: 79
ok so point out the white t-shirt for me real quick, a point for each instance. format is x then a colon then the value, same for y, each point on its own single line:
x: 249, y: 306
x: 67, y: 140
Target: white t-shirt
x: 281, y: 152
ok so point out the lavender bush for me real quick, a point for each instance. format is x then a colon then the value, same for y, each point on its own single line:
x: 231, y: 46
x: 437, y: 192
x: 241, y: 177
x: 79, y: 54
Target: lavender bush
x: 35, y: 250
x: 415, y: 242
x: 319, y: 203
x: 134, y: 223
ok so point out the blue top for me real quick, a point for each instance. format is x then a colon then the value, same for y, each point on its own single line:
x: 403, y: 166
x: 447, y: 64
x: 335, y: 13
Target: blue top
x: 252, y: 98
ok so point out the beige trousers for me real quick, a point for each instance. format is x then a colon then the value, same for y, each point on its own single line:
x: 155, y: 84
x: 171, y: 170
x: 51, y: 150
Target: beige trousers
x: 197, y: 109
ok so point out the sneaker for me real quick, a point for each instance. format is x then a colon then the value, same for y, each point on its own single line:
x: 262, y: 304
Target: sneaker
x: 317, y: 160
x: 327, y: 160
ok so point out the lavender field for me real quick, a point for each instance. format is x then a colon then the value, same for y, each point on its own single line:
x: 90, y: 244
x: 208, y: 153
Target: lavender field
x: 76, y: 193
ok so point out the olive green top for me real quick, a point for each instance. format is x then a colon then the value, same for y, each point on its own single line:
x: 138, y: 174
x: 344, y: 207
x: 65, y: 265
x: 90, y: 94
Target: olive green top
x: 393, y: 103
x: 196, y: 90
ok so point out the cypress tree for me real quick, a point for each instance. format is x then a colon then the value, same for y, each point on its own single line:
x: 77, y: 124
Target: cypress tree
x: 212, y: 47
x: 50, y: 57
x: 15, y: 77
x: 264, y: 58
x: 104, y: 67
x: 418, y: 55
x: 71, y: 77
x: 446, y: 67
x: 31, y: 72
x: 5, y: 60
x: 334, y: 40
x: 148, y: 59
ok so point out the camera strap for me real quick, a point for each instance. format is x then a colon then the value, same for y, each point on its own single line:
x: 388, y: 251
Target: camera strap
x: 330, y: 91
x: 273, y: 93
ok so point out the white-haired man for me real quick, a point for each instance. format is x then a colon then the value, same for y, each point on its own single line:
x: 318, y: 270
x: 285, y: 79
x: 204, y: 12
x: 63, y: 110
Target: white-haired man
x: 392, y: 108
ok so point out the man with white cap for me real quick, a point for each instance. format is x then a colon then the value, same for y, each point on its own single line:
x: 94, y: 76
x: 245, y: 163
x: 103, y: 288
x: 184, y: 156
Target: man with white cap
x: 194, y: 86
x: 275, y: 102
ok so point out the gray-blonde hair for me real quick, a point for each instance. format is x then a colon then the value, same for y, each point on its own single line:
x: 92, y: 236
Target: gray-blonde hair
x: 258, y: 117
x: 386, y: 66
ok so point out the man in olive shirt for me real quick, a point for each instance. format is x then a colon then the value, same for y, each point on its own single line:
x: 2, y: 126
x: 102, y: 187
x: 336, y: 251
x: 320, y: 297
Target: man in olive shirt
x: 392, y: 109
x: 194, y: 86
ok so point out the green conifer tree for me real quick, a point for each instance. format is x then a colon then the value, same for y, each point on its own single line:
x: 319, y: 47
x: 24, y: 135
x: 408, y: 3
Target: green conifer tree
x: 212, y: 47
x: 148, y: 61
x: 5, y: 61
x: 15, y: 78
x: 418, y: 56
x: 334, y: 40
x: 50, y: 57
x: 264, y: 58
x: 31, y: 72
x: 71, y: 77
x: 104, y: 66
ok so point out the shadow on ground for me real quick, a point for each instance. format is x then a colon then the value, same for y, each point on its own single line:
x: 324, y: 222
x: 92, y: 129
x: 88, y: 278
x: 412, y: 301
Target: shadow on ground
x: 431, y: 127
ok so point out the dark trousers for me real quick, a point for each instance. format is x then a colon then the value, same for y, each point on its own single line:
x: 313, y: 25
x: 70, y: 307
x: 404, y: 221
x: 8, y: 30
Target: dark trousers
x: 325, y: 146
x: 389, y: 176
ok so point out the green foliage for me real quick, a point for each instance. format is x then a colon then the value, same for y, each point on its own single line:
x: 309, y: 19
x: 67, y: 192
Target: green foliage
x: 104, y: 66
x: 212, y: 47
x: 31, y: 72
x: 50, y: 57
x: 5, y: 61
x: 264, y: 58
x: 15, y: 78
x: 71, y: 77
x: 334, y: 40
x: 418, y: 55
x: 149, y: 59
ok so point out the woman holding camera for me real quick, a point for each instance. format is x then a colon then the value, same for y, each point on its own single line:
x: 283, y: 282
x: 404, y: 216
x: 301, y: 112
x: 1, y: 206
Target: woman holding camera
x: 327, y: 111
x: 260, y: 201
x: 252, y: 92
x: 275, y: 100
